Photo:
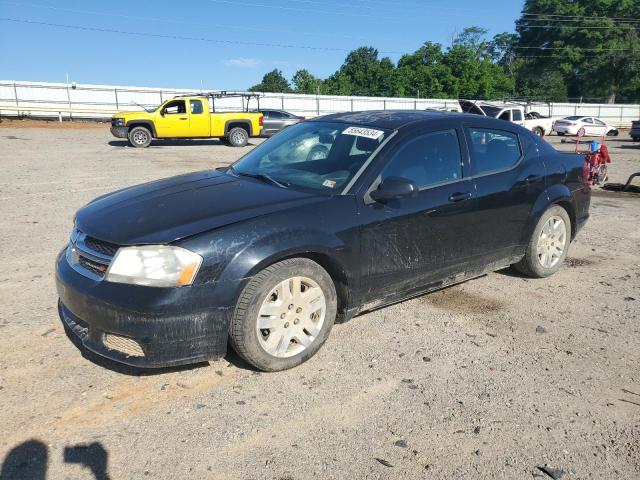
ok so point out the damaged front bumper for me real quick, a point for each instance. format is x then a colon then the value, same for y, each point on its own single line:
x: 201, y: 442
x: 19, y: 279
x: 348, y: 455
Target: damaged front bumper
x: 141, y: 326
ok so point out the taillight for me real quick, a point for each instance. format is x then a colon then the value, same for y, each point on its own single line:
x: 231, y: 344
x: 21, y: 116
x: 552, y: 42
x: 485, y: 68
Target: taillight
x: 261, y: 121
x: 302, y: 119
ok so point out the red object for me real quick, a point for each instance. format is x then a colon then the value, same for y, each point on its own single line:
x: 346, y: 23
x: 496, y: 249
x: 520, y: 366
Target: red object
x: 261, y: 121
x: 592, y: 163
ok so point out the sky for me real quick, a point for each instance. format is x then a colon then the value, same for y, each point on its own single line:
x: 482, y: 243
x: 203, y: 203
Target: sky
x: 221, y: 44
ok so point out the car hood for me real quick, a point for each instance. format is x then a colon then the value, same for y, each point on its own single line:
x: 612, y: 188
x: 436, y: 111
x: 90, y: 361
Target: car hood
x: 168, y: 210
x: 135, y: 115
x: 468, y: 106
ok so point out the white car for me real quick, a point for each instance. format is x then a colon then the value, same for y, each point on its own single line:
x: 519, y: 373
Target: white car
x: 589, y: 126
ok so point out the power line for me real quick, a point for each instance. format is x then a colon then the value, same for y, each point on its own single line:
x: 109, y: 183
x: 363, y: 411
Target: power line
x: 181, y: 37
x: 174, y: 21
x: 241, y: 42
x: 578, y: 16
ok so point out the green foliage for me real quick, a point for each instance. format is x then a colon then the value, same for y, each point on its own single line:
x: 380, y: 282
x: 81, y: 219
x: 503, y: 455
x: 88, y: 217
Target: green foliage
x: 562, y: 49
x: 582, y: 44
x: 305, y: 82
x: 274, y: 81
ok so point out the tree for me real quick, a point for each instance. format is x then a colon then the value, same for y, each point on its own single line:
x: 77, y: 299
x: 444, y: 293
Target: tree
x: 305, y: 82
x: 423, y: 73
x: 585, y: 42
x: 274, y: 81
x: 364, y: 74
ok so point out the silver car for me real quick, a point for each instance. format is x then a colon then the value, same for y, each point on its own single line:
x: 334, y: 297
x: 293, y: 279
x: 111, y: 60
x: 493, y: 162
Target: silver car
x: 276, y: 120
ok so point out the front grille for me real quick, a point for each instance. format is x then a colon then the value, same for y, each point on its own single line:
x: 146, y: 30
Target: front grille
x: 96, y: 268
x: 90, y: 256
x: 100, y: 246
x: 121, y: 344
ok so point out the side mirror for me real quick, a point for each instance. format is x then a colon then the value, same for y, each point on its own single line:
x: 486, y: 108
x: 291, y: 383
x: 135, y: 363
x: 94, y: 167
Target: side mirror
x: 162, y: 112
x: 393, y: 188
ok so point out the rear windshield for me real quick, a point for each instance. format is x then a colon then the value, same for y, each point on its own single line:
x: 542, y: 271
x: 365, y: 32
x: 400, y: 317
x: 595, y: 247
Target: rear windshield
x: 314, y: 156
x: 573, y: 118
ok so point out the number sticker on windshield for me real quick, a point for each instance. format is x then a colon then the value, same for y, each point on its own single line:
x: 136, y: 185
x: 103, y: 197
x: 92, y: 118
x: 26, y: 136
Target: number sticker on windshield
x: 363, y: 132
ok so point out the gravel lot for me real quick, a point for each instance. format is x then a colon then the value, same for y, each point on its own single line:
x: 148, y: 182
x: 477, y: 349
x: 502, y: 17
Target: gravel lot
x: 501, y: 376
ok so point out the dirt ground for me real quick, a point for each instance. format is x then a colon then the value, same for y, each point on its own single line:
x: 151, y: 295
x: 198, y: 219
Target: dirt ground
x: 500, y: 377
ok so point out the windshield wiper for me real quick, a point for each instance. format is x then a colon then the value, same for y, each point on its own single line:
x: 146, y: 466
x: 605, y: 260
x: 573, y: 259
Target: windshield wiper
x: 260, y: 176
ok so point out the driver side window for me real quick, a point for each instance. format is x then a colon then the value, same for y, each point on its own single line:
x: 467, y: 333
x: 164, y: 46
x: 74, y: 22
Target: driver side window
x: 427, y: 160
x: 175, y: 107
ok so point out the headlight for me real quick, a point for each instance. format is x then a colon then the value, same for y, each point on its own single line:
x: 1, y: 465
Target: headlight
x: 118, y: 122
x: 154, y: 266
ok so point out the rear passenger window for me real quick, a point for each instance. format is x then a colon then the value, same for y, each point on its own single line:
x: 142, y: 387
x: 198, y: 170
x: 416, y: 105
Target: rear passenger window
x: 428, y: 159
x: 517, y: 115
x: 196, y: 107
x: 493, y: 150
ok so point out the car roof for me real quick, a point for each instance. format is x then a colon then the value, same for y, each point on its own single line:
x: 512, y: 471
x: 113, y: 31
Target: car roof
x: 389, y: 119
x: 395, y: 119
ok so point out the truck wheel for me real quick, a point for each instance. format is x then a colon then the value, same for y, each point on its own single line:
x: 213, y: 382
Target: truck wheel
x: 237, y: 137
x: 539, y: 131
x: 549, y: 244
x: 284, y: 315
x: 139, y: 137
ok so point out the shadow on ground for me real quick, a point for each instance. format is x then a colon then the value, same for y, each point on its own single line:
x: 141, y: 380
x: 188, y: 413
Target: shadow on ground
x: 29, y: 460
x: 212, y: 142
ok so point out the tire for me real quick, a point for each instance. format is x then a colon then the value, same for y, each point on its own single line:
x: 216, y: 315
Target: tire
x: 539, y: 131
x: 533, y: 264
x: 280, y: 344
x: 237, y: 137
x: 139, y: 137
x: 561, y: 134
x: 613, y: 133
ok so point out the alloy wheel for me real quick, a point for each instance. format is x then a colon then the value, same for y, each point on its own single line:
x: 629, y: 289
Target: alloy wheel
x: 140, y: 137
x: 552, y: 242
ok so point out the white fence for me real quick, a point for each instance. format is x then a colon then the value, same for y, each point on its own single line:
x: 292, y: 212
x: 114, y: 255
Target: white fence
x: 101, y: 101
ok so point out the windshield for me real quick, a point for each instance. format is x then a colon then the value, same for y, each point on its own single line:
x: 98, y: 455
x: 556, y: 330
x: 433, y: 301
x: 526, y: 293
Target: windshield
x: 316, y: 156
x: 573, y: 118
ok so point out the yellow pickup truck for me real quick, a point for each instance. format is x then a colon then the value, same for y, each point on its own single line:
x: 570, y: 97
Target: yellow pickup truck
x: 188, y: 117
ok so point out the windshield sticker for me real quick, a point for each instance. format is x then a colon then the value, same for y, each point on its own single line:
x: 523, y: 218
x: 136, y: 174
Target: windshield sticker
x: 329, y: 183
x: 363, y: 132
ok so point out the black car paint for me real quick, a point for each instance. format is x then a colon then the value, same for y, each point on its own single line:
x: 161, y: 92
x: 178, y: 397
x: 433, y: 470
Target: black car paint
x: 376, y: 253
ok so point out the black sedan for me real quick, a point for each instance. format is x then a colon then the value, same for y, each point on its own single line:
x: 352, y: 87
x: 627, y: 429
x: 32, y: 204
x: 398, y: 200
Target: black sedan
x: 330, y: 218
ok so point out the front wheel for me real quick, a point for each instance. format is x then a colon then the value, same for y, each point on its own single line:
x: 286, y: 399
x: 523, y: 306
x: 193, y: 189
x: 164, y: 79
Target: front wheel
x: 549, y: 244
x: 139, y: 137
x: 284, y: 315
x: 237, y: 137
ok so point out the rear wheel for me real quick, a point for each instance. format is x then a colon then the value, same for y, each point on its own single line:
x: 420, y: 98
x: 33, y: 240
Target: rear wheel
x: 284, y: 315
x: 549, y: 244
x: 139, y: 137
x: 612, y: 133
x: 237, y: 137
x: 539, y: 131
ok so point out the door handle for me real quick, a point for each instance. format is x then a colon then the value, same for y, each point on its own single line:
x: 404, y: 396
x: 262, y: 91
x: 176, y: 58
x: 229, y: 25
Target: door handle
x: 459, y: 196
x: 532, y: 178
x: 184, y: 118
